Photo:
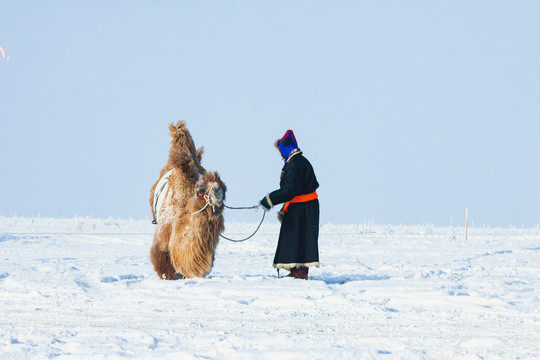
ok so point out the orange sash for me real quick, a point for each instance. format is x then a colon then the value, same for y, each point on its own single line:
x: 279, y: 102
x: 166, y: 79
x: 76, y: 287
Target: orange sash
x: 300, y: 198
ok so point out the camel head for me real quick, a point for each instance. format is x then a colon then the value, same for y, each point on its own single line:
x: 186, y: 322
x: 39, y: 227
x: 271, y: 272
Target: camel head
x: 211, y: 186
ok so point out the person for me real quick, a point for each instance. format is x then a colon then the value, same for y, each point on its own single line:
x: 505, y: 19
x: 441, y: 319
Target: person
x: 297, y: 248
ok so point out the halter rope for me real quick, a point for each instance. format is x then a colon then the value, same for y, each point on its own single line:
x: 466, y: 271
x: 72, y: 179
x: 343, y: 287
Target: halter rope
x: 205, y: 197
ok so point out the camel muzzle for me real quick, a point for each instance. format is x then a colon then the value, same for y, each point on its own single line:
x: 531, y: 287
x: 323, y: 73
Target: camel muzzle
x: 215, y: 196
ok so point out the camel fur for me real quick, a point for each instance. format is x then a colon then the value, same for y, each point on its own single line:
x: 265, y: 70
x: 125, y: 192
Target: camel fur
x: 185, y: 243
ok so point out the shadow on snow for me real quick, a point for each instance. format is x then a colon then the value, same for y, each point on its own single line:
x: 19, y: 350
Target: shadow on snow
x: 349, y: 278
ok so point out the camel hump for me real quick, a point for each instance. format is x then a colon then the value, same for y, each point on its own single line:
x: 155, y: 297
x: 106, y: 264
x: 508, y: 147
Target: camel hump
x: 180, y: 135
x: 180, y: 126
x: 181, y: 139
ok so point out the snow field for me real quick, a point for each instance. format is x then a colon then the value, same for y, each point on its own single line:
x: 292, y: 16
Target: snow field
x: 85, y: 288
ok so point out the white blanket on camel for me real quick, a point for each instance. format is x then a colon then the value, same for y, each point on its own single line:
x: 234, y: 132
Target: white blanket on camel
x: 159, y: 193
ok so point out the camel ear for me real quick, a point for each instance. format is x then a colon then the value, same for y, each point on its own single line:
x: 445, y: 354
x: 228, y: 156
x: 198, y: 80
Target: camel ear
x: 199, y: 153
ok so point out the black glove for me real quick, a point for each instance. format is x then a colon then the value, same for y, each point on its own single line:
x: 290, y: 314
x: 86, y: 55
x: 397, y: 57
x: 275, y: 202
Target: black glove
x: 264, y: 203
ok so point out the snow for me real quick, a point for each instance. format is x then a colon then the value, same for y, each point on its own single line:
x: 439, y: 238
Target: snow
x: 84, y: 288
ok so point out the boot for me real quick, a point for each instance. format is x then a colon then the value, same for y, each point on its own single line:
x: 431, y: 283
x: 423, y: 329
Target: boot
x: 299, y: 273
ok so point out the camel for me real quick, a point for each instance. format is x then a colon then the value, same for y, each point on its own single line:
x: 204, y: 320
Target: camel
x: 188, y: 210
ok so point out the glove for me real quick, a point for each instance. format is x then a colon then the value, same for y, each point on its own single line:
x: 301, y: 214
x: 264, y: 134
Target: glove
x: 280, y: 215
x: 266, y: 203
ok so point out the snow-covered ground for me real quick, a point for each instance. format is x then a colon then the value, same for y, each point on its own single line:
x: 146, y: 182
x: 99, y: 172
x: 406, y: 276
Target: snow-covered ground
x: 85, y: 288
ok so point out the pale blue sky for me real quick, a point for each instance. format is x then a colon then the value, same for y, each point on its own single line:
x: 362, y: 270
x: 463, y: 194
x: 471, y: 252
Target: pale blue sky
x: 410, y: 111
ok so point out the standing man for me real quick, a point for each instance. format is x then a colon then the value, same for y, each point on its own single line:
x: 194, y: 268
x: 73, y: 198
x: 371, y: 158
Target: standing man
x: 298, y: 247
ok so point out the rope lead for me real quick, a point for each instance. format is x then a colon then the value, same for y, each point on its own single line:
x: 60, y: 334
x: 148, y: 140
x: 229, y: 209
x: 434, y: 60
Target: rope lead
x: 235, y: 208
x: 250, y: 236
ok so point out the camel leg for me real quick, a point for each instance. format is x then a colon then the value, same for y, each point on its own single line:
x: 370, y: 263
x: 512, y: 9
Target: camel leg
x: 162, y: 264
x: 159, y: 254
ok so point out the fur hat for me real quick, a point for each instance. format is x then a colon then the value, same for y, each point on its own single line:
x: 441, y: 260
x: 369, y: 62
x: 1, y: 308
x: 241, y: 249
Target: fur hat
x: 286, y: 144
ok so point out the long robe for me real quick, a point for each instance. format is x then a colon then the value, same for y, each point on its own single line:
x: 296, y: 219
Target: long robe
x: 299, y: 232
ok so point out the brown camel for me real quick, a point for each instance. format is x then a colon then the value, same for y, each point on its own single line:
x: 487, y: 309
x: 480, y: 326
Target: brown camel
x: 188, y: 210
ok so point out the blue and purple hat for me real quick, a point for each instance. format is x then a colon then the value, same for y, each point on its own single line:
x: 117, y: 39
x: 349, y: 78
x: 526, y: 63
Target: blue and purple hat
x: 287, y: 144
